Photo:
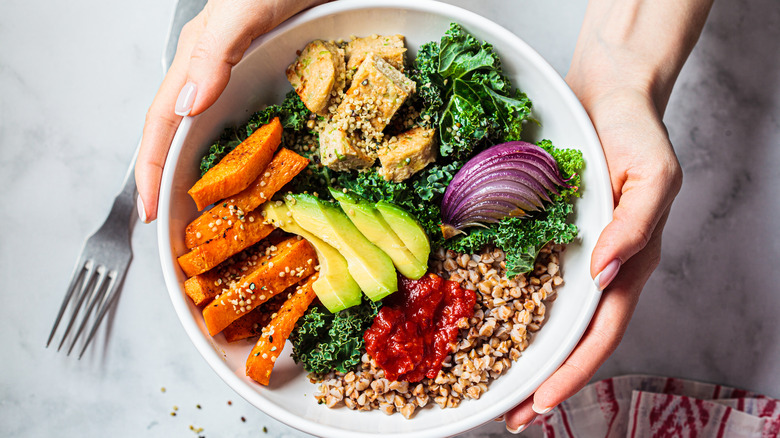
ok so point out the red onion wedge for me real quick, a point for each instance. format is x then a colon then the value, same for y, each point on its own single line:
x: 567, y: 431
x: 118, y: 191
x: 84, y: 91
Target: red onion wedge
x: 506, y: 180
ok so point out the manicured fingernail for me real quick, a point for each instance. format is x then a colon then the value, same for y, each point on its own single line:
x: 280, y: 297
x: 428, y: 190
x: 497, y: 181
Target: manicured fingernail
x: 519, y: 429
x: 499, y: 418
x: 540, y: 411
x: 605, y: 277
x: 141, y: 209
x: 186, y: 99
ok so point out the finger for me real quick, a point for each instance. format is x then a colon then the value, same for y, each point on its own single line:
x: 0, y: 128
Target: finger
x: 520, y: 416
x: 231, y: 28
x: 634, y: 220
x: 645, y: 177
x: 225, y: 37
x: 606, y: 330
x: 161, y: 124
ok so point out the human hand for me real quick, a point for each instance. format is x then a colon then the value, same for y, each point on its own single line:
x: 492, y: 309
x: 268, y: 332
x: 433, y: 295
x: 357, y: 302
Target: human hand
x: 209, y: 46
x: 645, y: 177
x: 625, y: 64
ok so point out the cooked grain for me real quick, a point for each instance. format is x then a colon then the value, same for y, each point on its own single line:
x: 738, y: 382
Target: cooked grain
x: 507, y: 311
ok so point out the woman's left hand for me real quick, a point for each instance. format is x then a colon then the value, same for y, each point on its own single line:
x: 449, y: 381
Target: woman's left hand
x: 645, y: 177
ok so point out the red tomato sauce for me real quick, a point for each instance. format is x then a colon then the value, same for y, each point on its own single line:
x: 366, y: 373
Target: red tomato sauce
x: 412, y: 333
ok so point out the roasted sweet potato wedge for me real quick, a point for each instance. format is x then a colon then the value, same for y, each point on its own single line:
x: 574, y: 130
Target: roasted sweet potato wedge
x: 202, y: 288
x: 240, y: 167
x: 282, y: 168
x: 292, y: 261
x: 252, y: 323
x: 272, y: 338
x: 230, y: 242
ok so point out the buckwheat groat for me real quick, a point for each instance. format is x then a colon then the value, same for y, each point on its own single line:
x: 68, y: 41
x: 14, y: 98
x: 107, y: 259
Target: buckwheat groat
x: 317, y: 72
x: 507, y: 312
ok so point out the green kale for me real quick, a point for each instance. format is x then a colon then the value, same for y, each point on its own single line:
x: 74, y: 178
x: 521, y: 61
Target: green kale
x: 228, y: 141
x: 324, y: 341
x: 465, y: 92
x: 523, y: 238
x: 292, y: 113
x: 429, y: 87
x: 433, y: 181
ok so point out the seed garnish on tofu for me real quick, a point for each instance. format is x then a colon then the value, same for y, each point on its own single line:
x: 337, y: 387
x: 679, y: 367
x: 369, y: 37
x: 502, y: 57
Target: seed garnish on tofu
x: 390, y: 48
x: 407, y: 153
x: 316, y: 73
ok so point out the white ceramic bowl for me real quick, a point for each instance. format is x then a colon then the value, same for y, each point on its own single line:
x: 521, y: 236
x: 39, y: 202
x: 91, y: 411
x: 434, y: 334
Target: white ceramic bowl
x: 259, y: 80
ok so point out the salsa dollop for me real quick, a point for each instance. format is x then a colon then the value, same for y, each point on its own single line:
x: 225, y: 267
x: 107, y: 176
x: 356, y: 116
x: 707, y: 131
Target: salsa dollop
x: 413, y: 332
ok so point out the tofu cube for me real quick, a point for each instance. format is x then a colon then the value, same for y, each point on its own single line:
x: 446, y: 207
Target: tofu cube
x: 338, y: 152
x: 408, y: 154
x: 317, y: 72
x: 390, y: 48
x: 378, y: 89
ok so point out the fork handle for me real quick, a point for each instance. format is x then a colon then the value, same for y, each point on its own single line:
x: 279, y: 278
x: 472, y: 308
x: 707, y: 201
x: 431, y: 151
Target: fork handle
x: 124, y: 203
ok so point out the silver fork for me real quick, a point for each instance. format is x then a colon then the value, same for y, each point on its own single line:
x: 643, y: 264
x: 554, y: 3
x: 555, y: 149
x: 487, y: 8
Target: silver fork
x: 102, y: 265
x: 100, y: 269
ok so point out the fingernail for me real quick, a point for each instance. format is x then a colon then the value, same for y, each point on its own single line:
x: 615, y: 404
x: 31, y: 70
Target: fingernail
x: 541, y: 411
x: 141, y: 209
x: 499, y: 418
x: 519, y: 429
x: 186, y: 99
x: 605, y: 277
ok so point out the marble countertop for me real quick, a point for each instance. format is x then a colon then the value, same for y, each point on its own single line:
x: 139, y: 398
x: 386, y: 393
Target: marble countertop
x: 75, y: 81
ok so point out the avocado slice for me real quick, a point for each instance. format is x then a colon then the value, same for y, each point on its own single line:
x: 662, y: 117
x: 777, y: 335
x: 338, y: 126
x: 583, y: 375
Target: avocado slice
x: 370, y: 222
x: 371, y: 268
x: 335, y: 288
x: 407, y: 229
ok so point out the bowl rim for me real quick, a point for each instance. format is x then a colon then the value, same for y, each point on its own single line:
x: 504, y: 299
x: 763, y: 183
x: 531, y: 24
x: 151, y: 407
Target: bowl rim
x: 214, y: 358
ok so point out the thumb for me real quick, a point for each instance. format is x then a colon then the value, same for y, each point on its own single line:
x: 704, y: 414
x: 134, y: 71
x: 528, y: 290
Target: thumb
x: 640, y: 207
x: 220, y: 46
x: 230, y: 28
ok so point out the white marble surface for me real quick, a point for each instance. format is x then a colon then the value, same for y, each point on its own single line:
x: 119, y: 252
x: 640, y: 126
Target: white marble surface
x: 75, y: 81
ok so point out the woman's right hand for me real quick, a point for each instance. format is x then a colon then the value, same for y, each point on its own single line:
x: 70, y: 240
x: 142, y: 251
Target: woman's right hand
x: 209, y: 46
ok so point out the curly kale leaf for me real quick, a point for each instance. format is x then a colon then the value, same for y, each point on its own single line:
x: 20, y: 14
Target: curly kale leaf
x: 431, y: 183
x: 464, y: 92
x: 462, y: 55
x: 292, y: 113
x: 465, y: 123
x: 324, y: 341
x: 429, y: 87
x: 523, y: 238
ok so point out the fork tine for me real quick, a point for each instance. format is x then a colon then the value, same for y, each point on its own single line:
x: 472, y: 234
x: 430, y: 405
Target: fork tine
x: 100, y: 292
x: 86, y: 290
x: 112, y: 289
x: 75, y: 280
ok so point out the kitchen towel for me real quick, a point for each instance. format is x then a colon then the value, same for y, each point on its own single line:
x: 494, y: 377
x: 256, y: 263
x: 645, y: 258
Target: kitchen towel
x: 639, y: 406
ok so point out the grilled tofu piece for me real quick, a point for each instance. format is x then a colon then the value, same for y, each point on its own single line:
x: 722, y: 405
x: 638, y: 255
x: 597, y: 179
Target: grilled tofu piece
x: 378, y: 89
x: 316, y: 73
x: 390, y: 48
x: 408, y: 154
x: 338, y: 151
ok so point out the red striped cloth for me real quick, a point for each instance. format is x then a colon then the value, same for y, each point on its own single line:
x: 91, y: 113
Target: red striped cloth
x: 638, y: 406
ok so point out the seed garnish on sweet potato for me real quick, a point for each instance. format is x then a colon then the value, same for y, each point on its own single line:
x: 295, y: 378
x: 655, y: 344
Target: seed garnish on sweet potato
x: 240, y: 167
x: 293, y: 261
x: 261, y: 360
x: 228, y: 212
x: 230, y: 242
x: 253, y: 322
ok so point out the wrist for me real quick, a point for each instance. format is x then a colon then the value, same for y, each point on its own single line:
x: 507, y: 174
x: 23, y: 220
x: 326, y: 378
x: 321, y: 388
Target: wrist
x: 636, y: 45
x: 601, y: 69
